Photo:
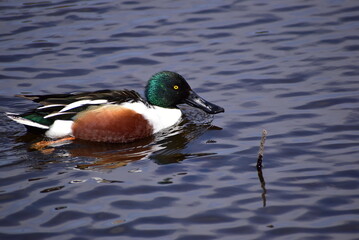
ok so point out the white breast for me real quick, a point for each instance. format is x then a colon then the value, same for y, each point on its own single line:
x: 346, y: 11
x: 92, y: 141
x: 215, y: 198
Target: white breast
x: 160, y: 118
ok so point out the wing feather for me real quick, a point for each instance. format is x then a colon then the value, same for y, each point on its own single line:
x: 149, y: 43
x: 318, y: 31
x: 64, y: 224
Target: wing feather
x: 66, y: 106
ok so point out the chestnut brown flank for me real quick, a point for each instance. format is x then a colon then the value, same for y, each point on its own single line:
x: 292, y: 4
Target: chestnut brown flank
x: 111, y: 124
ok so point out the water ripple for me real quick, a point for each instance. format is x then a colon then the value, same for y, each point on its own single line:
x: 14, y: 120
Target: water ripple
x: 288, y: 67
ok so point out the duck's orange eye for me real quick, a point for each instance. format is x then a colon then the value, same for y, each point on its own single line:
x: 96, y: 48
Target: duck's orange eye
x: 175, y: 87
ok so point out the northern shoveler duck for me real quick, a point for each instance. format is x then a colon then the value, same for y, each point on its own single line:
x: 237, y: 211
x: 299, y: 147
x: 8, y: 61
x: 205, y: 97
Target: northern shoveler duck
x: 114, y: 116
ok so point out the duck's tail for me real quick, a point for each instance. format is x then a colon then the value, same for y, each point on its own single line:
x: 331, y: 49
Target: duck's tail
x: 28, y: 123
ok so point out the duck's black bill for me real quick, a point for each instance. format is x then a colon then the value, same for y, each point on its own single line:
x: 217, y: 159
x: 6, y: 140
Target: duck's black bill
x: 196, y: 101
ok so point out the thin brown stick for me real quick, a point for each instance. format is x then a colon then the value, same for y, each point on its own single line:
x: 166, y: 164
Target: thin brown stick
x: 261, y: 149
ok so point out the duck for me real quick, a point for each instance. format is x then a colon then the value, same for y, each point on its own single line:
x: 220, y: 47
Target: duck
x: 113, y: 116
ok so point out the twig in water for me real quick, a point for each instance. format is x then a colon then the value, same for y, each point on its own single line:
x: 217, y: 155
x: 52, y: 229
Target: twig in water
x: 261, y: 149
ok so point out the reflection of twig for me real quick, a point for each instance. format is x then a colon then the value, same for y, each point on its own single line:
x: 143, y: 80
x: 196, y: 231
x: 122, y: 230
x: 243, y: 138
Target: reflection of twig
x: 263, y: 186
x: 259, y: 167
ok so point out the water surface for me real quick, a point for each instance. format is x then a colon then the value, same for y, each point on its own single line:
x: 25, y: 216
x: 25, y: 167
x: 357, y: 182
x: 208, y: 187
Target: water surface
x: 289, y: 67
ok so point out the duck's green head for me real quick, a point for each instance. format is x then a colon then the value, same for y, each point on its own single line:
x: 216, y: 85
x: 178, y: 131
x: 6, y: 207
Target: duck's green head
x: 168, y: 89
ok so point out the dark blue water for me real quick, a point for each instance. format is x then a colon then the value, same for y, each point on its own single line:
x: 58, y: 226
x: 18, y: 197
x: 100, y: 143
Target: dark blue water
x: 290, y: 67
